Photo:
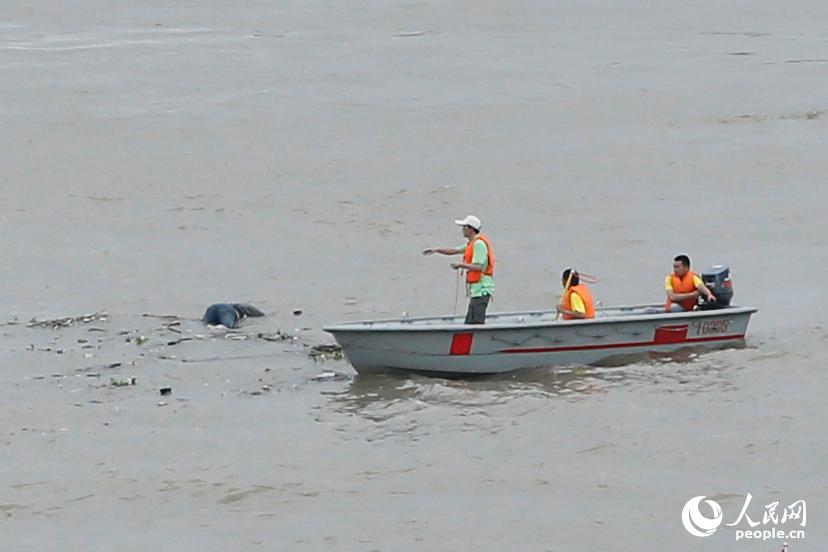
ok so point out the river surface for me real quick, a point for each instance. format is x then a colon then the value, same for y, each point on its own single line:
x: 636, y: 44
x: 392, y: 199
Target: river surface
x: 159, y: 157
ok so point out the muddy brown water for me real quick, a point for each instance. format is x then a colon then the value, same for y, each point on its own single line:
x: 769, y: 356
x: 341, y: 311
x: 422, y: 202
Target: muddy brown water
x: 158, y: 158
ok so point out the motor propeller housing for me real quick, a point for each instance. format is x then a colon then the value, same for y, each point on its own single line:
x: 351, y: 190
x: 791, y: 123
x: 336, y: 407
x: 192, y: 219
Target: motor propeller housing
x: 718, y: 281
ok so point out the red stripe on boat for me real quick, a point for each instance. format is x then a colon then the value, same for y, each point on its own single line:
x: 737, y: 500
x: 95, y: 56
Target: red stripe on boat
x: 617, y: 345
x: 461, y: 343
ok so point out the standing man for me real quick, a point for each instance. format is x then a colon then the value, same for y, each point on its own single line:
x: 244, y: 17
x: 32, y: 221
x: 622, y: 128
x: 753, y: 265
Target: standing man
x: 684, y: 286
x: 479, y: 264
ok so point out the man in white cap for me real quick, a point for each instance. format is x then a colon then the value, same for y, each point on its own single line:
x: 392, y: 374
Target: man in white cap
x: 479, y: 264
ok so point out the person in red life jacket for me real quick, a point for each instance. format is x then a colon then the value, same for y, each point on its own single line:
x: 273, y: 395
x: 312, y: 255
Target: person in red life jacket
x: 576, y: 302
x: 684, y: 287
x: 479, y: 264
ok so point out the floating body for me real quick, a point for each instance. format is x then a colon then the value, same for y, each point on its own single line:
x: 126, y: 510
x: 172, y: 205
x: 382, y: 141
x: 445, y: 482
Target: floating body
x: 229, y: 314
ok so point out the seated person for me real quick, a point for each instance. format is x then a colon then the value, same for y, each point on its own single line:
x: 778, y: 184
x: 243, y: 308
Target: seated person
x: 576, y: 302
x: 684, y: 287
x: 229, y: 314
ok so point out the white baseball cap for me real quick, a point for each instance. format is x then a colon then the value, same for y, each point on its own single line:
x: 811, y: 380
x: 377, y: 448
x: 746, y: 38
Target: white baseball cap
x: 470, y: 220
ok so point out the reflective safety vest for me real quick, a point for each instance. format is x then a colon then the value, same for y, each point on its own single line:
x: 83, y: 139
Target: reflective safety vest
x: 473, y: 276
x: 683, y: 285
x: 586, y: 297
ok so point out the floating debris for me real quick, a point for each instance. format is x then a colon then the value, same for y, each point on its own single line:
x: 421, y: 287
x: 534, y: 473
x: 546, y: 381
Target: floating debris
x: 171, y: 317
x: 325, y: 352
x: 808, y: 115
x: 412, y: 34
x: 239, y: 357
x: 277, y: 336
x: 66, y: 322
x: 330, y: 376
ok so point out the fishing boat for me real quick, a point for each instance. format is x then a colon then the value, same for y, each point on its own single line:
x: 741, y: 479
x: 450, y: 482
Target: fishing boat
x: 444, y: 345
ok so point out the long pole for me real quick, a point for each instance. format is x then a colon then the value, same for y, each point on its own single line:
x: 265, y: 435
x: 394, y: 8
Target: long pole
x: 566, y: 288
x: 457, y: 291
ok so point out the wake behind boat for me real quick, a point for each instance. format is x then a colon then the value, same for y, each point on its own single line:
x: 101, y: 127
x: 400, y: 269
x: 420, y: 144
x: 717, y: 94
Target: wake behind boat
x: 533, y: 339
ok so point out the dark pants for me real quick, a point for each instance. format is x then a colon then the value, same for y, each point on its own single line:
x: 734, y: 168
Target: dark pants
x: 477, y: 310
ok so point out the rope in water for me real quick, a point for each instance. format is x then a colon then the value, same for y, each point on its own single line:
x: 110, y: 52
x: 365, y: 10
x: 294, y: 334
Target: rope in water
x: 587, y: 278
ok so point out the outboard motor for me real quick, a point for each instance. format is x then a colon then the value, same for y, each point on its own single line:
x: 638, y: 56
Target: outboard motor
x: 717, y: 279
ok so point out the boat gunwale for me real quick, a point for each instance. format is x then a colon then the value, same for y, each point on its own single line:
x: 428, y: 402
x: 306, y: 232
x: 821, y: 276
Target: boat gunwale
x: 409, y: 325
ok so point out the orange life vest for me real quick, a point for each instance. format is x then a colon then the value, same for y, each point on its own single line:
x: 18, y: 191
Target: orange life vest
x: 586, y: 297
x: 683, y: 285
x: 473, y: 276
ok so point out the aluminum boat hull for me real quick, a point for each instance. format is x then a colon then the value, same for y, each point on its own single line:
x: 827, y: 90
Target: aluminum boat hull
x: 525, y: 340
